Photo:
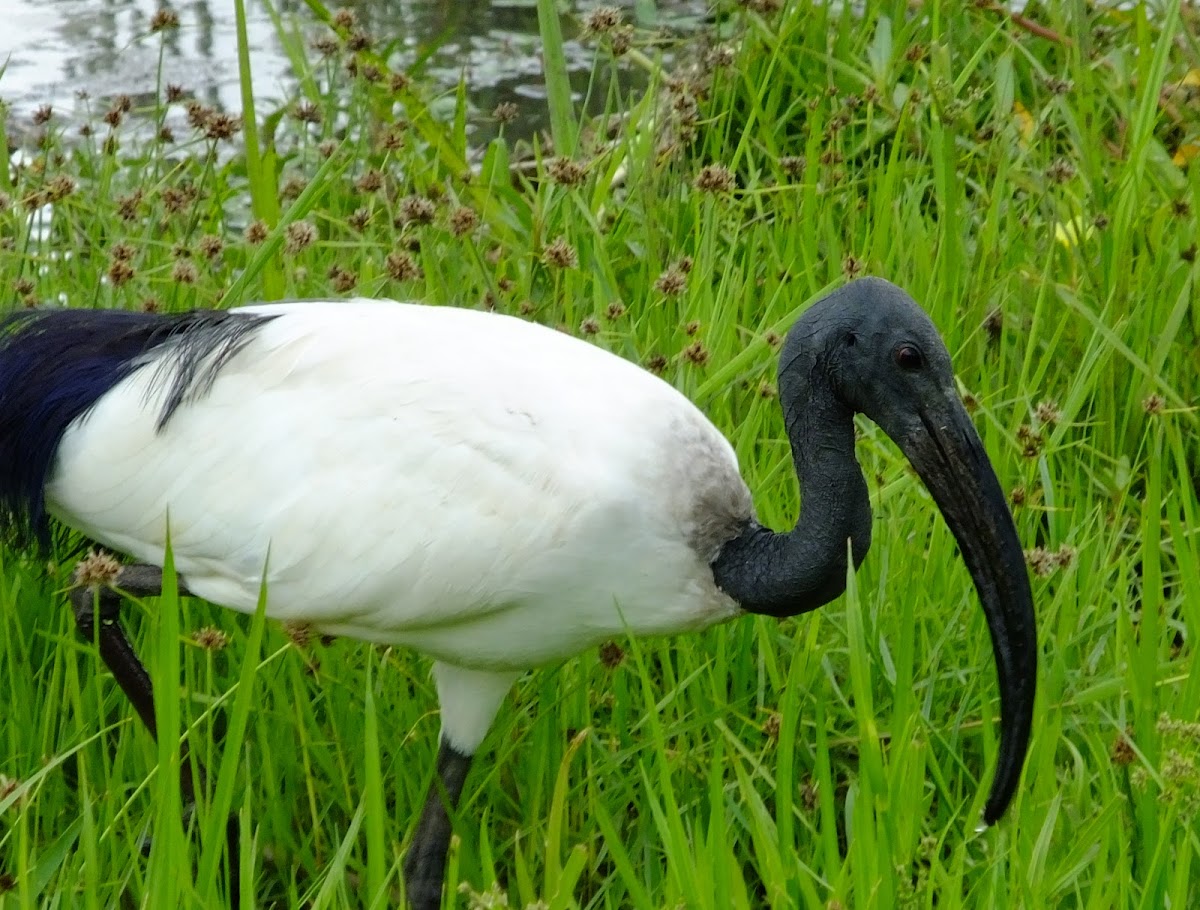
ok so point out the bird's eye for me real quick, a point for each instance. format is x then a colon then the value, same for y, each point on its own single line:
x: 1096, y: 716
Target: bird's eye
x: 909, y: 358
x: 851, y: 339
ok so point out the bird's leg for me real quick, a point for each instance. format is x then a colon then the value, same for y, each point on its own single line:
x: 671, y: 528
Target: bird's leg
x: 92, y: 602
x: 469, y: 700
x: 425, y: 864
x: 96, y: 603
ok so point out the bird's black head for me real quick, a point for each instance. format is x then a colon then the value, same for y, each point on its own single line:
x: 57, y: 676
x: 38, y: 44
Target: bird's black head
x: 876, y: 348
x: 870, y: 348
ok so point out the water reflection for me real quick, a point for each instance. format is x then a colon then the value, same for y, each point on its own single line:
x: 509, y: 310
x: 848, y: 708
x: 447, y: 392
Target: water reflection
x: 58, y: 48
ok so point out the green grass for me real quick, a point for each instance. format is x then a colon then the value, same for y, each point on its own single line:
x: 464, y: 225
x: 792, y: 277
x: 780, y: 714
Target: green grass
x: 1023, y: 189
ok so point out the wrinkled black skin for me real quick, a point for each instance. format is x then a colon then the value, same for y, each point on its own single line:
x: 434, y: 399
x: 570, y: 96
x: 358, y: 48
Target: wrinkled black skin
x: 425, y: 864
x: 852, y: 352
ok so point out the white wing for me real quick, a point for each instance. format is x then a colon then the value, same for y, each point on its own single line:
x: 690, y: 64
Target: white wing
x: 435, y: 476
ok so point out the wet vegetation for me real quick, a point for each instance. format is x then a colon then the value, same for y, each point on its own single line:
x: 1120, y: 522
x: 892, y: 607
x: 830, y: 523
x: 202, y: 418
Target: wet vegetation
x: 1030, y: 178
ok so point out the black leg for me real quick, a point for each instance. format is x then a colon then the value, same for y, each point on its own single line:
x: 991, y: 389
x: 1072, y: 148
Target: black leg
x: 104, y: 603
x: 96, y: 603
x: 425, y: 864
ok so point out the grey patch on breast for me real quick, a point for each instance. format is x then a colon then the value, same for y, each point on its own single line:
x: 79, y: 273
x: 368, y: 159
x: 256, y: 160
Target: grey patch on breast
x: 718, y: 519
x: 714, y: 504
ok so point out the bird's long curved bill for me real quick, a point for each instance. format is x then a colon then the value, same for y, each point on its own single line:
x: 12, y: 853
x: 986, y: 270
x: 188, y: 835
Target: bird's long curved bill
x: 951, y: 461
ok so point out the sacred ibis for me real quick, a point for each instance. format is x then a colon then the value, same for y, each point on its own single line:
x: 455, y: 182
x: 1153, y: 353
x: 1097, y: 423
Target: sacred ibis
x: 493, y: 493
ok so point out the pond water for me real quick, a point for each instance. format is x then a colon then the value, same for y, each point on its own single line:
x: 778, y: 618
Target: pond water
x: 52, y: 50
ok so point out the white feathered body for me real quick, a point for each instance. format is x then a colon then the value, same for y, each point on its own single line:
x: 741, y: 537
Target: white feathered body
x: 494, y: 493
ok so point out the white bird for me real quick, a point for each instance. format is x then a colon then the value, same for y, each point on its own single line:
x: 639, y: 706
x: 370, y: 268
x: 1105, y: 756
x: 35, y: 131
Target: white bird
x: 493, y: 493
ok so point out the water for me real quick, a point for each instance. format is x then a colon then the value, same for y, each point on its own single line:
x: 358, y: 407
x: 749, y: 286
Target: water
x: 57, y: 49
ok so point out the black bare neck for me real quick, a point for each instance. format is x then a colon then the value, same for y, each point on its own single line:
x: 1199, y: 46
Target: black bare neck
x: 783, y: 574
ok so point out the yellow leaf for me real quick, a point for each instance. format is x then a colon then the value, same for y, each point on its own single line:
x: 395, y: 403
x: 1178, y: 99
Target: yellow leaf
x: 1072, y: 233
x: 1024, y: 120
x: 1185, y: 153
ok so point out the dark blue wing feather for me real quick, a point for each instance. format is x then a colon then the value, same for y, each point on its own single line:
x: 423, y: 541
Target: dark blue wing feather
x: 56, y: 364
